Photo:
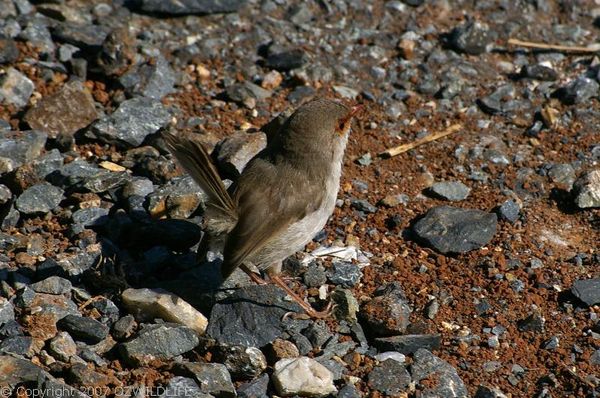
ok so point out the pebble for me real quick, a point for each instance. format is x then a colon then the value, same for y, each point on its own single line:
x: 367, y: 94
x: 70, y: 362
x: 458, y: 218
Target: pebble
x: 213, y: 378
x: 509, y: 211
x: 587, y: 190
x: 133, y: 120
x: 286, y: 60
x: 7, y: 311
x: 408, y: 343
x: 563, y: 175
x: 18, y: 345
x: 539, y: 72
x: 454, y: 230
x: 52, y: 285
x: 153, y: 80
x: 243, y: 363
x: 489, y: 392
x: 579, y: 90
x: 68, y: 110
x: 587, y: 290
x: 39, y: 199
x: 234, y: 152
x: 302, y: 376
x: 148, y: 304
x: 92, y: 216
x: 472, y: 37
x: 183, y: 387
x: 392, y: 355
x: 453, y: 191
x: 16, y: 371
x: 533, y: 323
x: 363, y: 205
x: 162, y: 341
x: 344, y: 274
x: 443, y: 380
x: 389, y: 377
x: 9, y: 52
x: 388, y: 312
x: 179, y: 198
x: 256, y: 388
x: 178, y: 7
x: 84, y: 328
x: 62, y: 347
x: 15, y: 88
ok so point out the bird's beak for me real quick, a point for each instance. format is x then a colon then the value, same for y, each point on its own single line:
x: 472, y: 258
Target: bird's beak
x: 355, y: 110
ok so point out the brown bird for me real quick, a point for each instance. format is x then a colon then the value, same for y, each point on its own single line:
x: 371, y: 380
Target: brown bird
x: 283, y: 197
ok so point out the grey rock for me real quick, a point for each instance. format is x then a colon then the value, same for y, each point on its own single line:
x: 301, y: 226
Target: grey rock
x: 388, y: 312
x: 391, y: 355
x: 408, y: 343
x: 497, y: 101
x: 133, y: 120
x: 38, y: 35
x: 138, y: 186
x: 213, y: 378
x: 10, y: 328
x: 472, y: 37
x: 250, y: 317
x: 235, y: 151
x: 533, y: 323
x: 389, y: 377
x: 39, y: 199
x: 363, y: 205
x: 587, y: 290
x: 539, y: 72
x: 15, y: 88
x: 17, y: 149
x: 587, y: 190
x: 62, y: 347
x: 5, y: 194
x: 9, y: 52
x: 124, y: 327
x: 256, y: 388
x: 451, y: 190
x: 53, y: 285
x: 286, y: 60
x: 489, y: 392
x: 7, y: 311
x: 163, y: 341
x: 84, y: 328
x: 83, y: 176
x: 85, y: 36
x: 118, y: 52
x: 246, y: 93
x: 315, y: 276
x: 90, y: 216
x: 595, y: 358
x: 509, y: 211
x: 153, y: 80
x: 579, y: 90
x: 183, y: 387
x: 68, y: 110
x: 16, y: 371
x: 551, y: 344
x: 184, y: 7
x: 344, y: 274
x: 349, y: 391
x: 452, y: 230
x: 243, y: 363
x: 444, y: 380
x: 562, y: 174
x: 181, y: 197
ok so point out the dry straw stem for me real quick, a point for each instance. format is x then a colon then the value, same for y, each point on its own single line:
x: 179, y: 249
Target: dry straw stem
x: 552, y: 47
x: 391, y: 152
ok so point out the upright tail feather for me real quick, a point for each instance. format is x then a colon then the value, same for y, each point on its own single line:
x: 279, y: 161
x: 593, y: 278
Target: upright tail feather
x: 195, y: 160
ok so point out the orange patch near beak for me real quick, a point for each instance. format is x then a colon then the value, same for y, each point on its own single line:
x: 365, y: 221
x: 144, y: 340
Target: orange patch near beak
x: 345, y: 122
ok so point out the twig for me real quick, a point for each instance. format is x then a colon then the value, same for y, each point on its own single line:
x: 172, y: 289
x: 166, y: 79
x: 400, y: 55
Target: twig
x: 432, y: 137
x: 554, y: 47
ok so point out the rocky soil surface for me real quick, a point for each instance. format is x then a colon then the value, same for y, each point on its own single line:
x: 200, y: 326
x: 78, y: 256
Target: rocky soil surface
x: 466, y: 267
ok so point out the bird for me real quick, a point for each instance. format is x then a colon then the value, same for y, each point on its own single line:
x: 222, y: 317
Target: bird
x: 282, y: 198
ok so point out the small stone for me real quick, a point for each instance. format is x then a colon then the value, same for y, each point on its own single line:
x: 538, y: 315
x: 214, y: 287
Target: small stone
x: 38, y: 35
x: 315, y: 276
x: 124, y: 327
x: 271, y: 80
x: 442, y: 378
x: 345, y: 274
x: 562, y: 175
x: 349, y: 391
x: 579, y: 90
x: 539, y: 72
x: 183, y: 387
x: 346, y: 306
x: 388, y: 312
x: 83, y: 35
x: 133, y: 120
x: 39, y: 199
x: 409, y: 343
x: 20, y: 148
x: 213, y: 378
x: 391, y: 355
x: 533, y: 323
x: 68, y: 110
x: 394, y: 200
x: 5, y: 194
x: 234, y: 152
x: 7, y: 311
x: 587, y: 190
x: 389, y: 377
x: 472, y: 37
x: 489, y: 392
x: 257, y: 388
x: 454, y: 191
x: 84, y: 328
x: 154, y: 79
x: 587, y: 290
x: 363, y: 205
x: 92, y: 216
x: 18, y: 345
x: 246, y: 93
x: 9, y: 52
x: 16, y: 371
x: 15, y: 88
x: 179, y: 198
x: 302, y: 376
x: 346, y: 92
x: 454, y: 230
x: 148, y: 304
x: 509, y: 211
x: 595, y: 358
x: 162, y: 341
x: 62, y: 347
x: 53, y: 285
x: 551, y: 344
x: 286, y: 60
x: 243, y: 363
x: 280, y: 349
x: 186, y: 7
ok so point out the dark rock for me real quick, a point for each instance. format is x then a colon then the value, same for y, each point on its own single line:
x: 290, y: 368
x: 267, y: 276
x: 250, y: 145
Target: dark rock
x: 68, y: 110
x: 38, y: 35
x: 587, y: 290
x: 509, y: 211
x: 388, y: 312
x: 183, y: 387
x: 39, y: 199
x: 551, y: 344
x: 162, y: 341
x: 301, y: 93
x: 19, y: 345
x: 133, y: 120
x: 579, y: 90
x: 85, y: 36
x: 153, y: 80
x: 563, y: 175
x: 5, y: 194
x: 250, y: 317
x: 409, y: 343
x: 497, y: 101
x: 7, y: 311
x: 118, y: 52
x: 213, y: 378
x: 315, y: 276
x: 15, y: 88
x: 348, y: 391
x: 179, y: 198
x: 389, y: 377
x: 175, y: 234
x: 256, y: 388
x: 124, y: 327
x: 83, y: 176
x: 10, y: 328
x: 184, y: 7
x: 16, y: 371
x: 533, y: 323
x: 90, y: 216
x: 363, y: 205
x: 52, y: 285
x: 595, y: 358
x: 472, y: 37
x: 246, y: 93
x: 9, y: 52
x: 84, y: 328
x: 20, y: 148
x: 489, y: 392
x: 62, y: 347
x: 539, y: 72
x: 453, y: 230
x: 80, y: 374
x: 244, y: 363
x: 451, y: 190
x: 235, y: 151
x: 443, y: 381
x: 286, y: 60
x: 344, y: 274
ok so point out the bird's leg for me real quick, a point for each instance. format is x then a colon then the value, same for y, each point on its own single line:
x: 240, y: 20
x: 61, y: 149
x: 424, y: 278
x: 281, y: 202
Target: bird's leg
x: 310, y: 311
x: 253, y: 275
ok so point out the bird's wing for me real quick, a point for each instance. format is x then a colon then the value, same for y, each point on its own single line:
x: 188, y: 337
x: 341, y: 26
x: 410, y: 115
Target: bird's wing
x: 268, y: 204
x: 195, y: 160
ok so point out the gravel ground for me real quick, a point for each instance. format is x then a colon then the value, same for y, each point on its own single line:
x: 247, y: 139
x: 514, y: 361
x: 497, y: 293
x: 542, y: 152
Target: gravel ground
x: 466, y: 267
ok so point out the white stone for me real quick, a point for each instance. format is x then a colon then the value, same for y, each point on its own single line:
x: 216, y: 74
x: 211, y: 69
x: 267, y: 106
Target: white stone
x: 302, y: 376
x: 159, y: 303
